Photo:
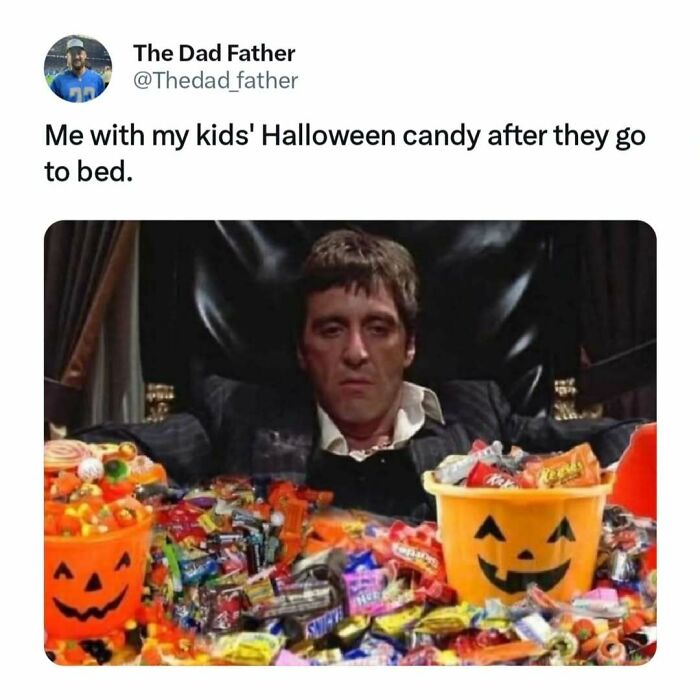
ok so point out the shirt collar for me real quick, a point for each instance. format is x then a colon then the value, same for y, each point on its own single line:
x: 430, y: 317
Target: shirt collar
x: 417, y: 403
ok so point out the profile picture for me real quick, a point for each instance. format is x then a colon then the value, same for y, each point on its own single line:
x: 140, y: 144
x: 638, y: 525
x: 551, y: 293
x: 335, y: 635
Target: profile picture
x: 77, y: 68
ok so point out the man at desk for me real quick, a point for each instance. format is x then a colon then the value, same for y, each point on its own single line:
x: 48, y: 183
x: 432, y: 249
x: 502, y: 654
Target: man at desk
x: 358, y: 429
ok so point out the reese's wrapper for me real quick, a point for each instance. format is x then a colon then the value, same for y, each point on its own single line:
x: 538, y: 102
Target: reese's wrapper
x: 577, y: 467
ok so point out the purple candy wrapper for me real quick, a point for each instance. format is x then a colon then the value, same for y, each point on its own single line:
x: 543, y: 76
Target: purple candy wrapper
x: 364, y: 592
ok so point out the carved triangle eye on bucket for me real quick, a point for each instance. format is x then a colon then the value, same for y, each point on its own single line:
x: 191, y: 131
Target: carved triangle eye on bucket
x: 516, y: 580
x: 489, y: 527
x: 562, y: 530
x: 93, y: 584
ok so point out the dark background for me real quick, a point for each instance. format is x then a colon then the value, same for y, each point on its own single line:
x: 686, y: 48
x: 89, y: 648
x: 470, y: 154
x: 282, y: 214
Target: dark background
x: 519, y: 302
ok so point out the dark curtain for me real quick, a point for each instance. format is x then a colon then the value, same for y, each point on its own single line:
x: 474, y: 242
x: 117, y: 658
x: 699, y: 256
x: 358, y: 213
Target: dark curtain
x: 82, y: 263
x: 618, y: 312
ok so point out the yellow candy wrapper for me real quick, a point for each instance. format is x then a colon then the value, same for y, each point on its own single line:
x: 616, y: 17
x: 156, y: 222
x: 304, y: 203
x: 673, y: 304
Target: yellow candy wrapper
x: 395, y: 624
x: 260, y: 591
x: 247, y: 648
x: 448, y: 620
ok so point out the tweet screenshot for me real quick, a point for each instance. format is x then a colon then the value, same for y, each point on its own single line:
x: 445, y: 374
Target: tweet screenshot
x: 350, y: 318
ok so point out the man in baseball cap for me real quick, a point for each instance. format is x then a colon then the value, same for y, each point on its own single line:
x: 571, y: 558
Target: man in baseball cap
x: 77, y: 83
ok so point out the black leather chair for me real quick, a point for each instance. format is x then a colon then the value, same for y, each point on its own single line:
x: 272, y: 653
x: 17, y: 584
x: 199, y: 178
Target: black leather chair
x: 498, y: 302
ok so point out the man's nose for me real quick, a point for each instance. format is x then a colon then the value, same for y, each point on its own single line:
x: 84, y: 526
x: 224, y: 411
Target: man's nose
x: 355, y: 351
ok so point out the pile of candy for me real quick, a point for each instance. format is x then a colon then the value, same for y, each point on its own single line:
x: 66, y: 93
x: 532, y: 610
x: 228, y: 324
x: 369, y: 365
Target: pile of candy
x: 91, y: 516
x: 487, y: 467
x: 89, y: 489
x: 260, y: 574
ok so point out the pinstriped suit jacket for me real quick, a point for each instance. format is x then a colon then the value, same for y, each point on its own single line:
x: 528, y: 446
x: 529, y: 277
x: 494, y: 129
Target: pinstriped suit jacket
x: 242, y: 428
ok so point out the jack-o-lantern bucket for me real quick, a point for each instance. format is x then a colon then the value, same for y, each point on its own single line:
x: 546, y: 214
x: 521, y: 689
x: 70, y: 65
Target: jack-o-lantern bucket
x: 92, y: 585
x: 497, y: 541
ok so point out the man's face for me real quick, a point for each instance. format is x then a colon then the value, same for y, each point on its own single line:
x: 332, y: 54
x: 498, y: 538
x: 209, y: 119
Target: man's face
x: 355, y: 349
x: 76, y: 59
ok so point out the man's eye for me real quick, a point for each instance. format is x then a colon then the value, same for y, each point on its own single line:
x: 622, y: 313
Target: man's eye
x: 330, y: 331
x: 379, y: 329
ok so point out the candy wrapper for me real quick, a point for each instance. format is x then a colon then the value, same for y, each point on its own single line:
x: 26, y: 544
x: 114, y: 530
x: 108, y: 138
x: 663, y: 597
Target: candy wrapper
x: 313, y: 626
x: 238, y: 575
x: 247, y: 649
x: 576, y: 468
x: 624, y: 540
x: 491, y: 477
x: 395, y: 625
x: 297, y: 599
x: 223, y: 605
x: 415, y: 548
x: 448, y: 621
x: 456, y: 468
x: 364, y: 592
x: 487, y: 467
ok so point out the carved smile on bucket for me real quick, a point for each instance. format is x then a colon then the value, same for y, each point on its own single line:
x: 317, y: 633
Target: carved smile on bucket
x: 95, y: 612
x: 517, y: 581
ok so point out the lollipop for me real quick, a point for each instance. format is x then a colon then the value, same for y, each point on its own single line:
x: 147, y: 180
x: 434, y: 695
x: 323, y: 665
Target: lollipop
x: 61, y: 455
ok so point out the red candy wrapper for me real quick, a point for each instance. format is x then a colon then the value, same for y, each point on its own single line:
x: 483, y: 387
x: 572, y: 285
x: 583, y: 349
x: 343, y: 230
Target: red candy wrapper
x: 181, y: 521
x: 436, y: 592
x: 224, y: 605
x: 416, y: 548
x: 487, y: 476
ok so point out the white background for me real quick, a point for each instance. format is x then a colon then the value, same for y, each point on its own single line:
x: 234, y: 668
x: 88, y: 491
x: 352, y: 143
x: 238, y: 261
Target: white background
x: 365, y: 64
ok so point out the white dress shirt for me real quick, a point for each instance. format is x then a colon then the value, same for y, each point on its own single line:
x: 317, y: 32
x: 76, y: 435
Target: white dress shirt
x: 417, y: 403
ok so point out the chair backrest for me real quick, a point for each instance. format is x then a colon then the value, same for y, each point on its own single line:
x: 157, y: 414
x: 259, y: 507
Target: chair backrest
x: 216, y: 297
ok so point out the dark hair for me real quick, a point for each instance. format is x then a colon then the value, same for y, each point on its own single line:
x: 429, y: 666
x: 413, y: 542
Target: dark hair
x: 348, y: 258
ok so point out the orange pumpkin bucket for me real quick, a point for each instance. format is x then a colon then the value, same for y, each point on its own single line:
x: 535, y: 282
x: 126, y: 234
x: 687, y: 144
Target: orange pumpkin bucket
x: 93, y: 585
x: 497, y: 541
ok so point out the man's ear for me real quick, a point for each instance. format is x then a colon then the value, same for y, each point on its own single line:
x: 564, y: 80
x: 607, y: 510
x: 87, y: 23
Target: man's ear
x: 410, y: 351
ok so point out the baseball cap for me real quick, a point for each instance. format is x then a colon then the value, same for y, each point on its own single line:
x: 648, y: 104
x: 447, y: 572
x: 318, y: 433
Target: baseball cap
x: 74, y: 44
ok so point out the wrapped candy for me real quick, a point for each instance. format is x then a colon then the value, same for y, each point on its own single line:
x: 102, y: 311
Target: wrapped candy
x: 576, y: 468
x: 623, y: 541
x: 456, y: 468
x: 223, y: 585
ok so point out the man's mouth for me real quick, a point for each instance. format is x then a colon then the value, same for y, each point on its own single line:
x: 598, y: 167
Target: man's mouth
x: 517, y: 581
x: 355, y: 388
